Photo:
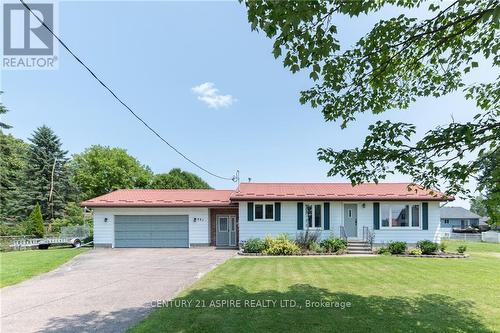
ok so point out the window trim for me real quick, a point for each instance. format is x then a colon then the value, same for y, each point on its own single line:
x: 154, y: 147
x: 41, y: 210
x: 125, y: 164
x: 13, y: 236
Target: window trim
x: 410, y: 222
x: 322, y: 212
x: 263, y: 219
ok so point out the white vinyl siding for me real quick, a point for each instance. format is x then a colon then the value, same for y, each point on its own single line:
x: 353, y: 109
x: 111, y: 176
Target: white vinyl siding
x: 199, y: 231
x: 288, y: 223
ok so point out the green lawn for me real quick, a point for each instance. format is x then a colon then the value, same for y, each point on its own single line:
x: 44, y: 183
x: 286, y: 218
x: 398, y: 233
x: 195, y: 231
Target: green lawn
x: 387, y: 294
x: 17, y: 266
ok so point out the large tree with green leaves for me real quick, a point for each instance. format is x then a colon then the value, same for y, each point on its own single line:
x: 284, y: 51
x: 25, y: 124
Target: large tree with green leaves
x: 478, y: 206
x: 401, y: 59
x: 12, y: 164
x: 489, y: 185
x: 178, y: 179
x: 46, y: 179
x: 99, y: 170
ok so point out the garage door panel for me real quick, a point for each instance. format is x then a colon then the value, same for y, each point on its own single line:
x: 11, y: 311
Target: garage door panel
x: 151, y: 231
x: 135, y: 243
x: 168, y: 235
x: 171, y: 227
x: 167, y: 243
x: 133, y: 235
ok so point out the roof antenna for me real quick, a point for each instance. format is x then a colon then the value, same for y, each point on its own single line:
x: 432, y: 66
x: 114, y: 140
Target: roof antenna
x: 236, y: 178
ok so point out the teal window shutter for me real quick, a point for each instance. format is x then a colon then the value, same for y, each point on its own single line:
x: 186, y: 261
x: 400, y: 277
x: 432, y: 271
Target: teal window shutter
x: 277, y: 211
x: 376, y: 216
x: 425, y: 216
x: 300, y: 216
x: 250, y: 211
x: 326, y: 209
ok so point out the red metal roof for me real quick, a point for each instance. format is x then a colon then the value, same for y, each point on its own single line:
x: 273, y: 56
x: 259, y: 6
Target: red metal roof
x: 264, y: 191
x: 161, y: 198
x: 335, y: 191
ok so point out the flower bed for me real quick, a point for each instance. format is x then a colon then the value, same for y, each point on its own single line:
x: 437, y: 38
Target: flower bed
x: 424, y: 249
x: 436, y: 255
x: 306, y: 244
x: 301, y: 254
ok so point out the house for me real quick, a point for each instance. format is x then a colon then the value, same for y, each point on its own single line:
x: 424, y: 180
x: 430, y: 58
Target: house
x: 458, y: 217
x: 185, y: 218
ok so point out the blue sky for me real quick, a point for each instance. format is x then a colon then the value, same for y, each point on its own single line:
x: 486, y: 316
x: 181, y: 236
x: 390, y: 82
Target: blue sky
x: 152, y: 54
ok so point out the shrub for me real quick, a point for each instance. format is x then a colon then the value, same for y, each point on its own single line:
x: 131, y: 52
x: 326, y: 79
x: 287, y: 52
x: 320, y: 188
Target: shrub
x: 416, y: 252
x: 34, y: 223
x: 315, y: 247
x: 427, y: 246
x: 305, y: 239
x: 461, y: 248
x: 253, y: 245
x: 280, y: 246
x: 443, y: 245
x: 383, y: 250
x: 334, y: 245
x: 397, y: 247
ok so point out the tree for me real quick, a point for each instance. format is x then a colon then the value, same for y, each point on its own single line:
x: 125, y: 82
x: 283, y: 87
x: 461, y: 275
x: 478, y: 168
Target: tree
x: 46, y: 178
x: 34, y: 223
x: 478, y: 206
x: 99, y: 170
x: 489, y: 184
x: 12, y: 164
x: 399, y: 60
x: 178, y: 179
x: 3, y: 110
x: 73, y: 216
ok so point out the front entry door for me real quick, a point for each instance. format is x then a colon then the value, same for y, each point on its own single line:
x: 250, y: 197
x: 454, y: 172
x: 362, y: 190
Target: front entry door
x: 351, y: 220
x: 226, y: 230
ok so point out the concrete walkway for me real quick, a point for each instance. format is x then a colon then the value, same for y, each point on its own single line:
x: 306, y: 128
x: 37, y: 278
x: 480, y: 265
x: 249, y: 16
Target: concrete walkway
x: 105, y: 290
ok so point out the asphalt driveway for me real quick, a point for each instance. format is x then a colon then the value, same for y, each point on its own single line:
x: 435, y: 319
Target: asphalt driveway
x: 105, y: 290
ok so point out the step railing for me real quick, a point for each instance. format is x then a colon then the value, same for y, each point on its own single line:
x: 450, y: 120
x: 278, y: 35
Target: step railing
x: 368, y: 236
x: 343, y: 234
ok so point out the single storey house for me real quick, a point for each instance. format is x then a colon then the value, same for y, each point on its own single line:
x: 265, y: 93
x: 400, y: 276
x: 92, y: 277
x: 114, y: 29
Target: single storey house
x: 185, y: 218
x: 457, y: 217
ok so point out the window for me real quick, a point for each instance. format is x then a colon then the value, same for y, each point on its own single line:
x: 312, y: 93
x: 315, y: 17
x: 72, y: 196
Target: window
x: 349, y: 213
x: 264, y: 212
x: 223, y: 224
x: 415, y: 216
x: 312, y: 216
x: 269, y: 212
x: 400, y: 216
x: 446, y: 221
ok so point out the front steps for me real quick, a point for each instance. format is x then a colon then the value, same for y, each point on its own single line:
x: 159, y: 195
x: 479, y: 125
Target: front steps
x: 358, y: 247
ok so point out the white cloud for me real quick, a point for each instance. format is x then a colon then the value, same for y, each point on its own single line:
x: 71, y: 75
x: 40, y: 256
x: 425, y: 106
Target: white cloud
x: 208, y: 94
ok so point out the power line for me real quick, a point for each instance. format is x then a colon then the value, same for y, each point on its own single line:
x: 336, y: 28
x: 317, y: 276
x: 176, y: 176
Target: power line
x: 233, y: 178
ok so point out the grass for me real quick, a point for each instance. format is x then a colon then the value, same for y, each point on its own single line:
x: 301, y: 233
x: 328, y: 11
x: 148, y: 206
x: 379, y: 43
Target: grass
x: 393, y: 294
x: 17, y: 266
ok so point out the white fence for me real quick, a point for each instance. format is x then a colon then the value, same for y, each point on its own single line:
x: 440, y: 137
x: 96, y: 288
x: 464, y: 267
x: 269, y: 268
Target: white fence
x: 491, y: 236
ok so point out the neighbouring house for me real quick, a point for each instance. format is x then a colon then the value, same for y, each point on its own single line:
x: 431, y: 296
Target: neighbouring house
x: 458, y: 218
x: 185, y: 218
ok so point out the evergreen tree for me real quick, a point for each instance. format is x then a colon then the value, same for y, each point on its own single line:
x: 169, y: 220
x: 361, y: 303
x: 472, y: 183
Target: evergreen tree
x: 46, y: 179
x: 3, y: 110
x: 34, y: 222
x: 12, y: 163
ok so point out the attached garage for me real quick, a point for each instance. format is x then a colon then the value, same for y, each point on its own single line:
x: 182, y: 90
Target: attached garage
x: 151, y: 231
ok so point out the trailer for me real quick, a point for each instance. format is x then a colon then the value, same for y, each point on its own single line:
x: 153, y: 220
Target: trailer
x: 45, y: 243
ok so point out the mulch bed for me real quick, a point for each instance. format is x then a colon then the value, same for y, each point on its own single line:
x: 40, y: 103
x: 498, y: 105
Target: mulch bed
x: 438, y: 255
x: 241, y: 253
